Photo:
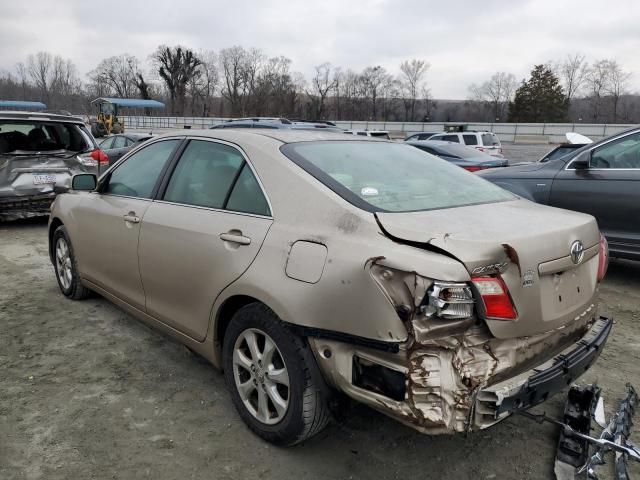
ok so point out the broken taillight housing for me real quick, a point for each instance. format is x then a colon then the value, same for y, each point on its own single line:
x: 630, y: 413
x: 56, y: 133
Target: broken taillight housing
x: 603, y: 258
x: 450, y: 301
x: 495, y: 297
x: 94, y: 158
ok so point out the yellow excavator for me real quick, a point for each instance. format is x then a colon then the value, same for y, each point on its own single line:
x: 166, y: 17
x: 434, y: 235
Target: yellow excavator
x: 108, y: 120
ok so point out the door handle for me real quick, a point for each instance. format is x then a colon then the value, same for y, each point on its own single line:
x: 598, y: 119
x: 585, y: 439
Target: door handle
x: 131, y: 218
x: 234, y: 237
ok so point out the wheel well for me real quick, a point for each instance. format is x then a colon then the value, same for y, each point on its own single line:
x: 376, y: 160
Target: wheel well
x: 227, y: 311
x: 55, y: 223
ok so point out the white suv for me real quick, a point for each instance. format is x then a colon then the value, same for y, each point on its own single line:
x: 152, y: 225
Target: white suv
x: 486, y: 142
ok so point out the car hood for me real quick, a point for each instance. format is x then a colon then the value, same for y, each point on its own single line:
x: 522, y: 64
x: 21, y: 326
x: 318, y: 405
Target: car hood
x: 520, y: 236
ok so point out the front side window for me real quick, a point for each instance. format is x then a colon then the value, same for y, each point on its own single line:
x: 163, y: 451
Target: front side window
x: 621, y: 153
x: 204, y: 175
x: 391, y: 177
x: 137, y: 176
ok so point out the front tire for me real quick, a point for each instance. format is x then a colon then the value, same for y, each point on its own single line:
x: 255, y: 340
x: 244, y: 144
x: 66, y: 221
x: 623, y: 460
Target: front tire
x: 66, y: 266
x: 274, y: 381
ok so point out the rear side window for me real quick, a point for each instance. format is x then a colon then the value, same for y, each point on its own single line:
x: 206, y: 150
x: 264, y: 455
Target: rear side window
x: 490, y: 140
x: 204, y: 174
x: 450, y: 138
x: 470, y: 139
x: 137, y: 176
x: 247, y: 196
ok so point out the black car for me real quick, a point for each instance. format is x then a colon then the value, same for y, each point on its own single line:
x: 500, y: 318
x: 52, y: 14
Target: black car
x: 601, y: 179
x: 468, y: 158
x: 115, y: 146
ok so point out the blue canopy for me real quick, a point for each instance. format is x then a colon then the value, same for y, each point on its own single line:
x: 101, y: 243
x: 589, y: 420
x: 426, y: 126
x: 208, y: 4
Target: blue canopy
x: 130, y: 102
x: 22, y: 105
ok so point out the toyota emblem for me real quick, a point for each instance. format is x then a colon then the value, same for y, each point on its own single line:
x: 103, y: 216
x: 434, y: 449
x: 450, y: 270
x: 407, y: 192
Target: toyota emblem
x: 577, y: 252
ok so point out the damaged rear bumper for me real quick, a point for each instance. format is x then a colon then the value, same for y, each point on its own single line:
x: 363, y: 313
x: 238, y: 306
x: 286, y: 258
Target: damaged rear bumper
x: 535, y: 386
x: 465, y: 384
x: 13, y: 208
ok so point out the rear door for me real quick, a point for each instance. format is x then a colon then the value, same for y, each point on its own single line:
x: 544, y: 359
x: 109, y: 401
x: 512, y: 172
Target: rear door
x: 107, y: 243
x: 201, y: 235
x: 609, y: 190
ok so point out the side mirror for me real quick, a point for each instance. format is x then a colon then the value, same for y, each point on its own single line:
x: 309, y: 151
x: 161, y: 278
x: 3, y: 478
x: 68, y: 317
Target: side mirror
x: 582, y: 161
x: 84, y: 182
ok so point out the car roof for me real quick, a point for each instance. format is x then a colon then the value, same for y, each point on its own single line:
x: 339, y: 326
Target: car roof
x: 288, y: 135
x: 51, y: 117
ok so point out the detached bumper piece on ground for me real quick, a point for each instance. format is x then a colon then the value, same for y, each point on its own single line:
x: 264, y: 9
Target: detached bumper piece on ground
x: 584, y: 404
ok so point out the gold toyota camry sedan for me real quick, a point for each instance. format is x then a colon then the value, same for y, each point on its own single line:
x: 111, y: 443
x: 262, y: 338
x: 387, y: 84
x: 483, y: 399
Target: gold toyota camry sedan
x: 304, y: 263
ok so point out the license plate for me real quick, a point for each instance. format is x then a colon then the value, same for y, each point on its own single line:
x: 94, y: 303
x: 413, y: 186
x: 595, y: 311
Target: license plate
x: 43, y: 179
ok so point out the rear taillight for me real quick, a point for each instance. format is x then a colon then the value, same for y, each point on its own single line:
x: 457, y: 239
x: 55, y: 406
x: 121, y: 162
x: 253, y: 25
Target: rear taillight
x: 99, y: 156
x: 603, y: 258
x: 474, y: 168
x: 496, y: 298
x: 450, y: 301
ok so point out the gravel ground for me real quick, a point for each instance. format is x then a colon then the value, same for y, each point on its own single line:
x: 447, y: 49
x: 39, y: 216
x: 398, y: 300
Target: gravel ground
x: 88, y: 392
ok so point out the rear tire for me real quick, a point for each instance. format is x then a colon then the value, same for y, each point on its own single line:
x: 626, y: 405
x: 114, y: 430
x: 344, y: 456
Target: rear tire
x: 66, y: 266
x: 289, y: 360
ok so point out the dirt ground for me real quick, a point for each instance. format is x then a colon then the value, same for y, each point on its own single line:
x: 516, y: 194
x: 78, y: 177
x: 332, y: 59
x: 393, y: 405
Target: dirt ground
x: 88, y: 392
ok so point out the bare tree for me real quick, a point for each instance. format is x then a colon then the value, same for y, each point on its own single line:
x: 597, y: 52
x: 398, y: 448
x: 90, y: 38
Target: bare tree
x: 411, y: 79
x: 498, y: 91
x: 202, y: 86
x: 372, y: 80
x: 39, y: 69
x: 322, y: 83
x: 573, y: 73
x: 118, y: 74
x: 176, y: 66
x: 235, y: 88
x: 617, y: 85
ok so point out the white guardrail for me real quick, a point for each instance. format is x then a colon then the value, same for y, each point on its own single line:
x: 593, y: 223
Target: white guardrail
x: 507, y: 132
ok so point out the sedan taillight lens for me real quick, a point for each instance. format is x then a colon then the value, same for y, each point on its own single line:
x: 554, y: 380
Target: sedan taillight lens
x: 603, y: 258
x: 100, y: 157
x: 495, y: 296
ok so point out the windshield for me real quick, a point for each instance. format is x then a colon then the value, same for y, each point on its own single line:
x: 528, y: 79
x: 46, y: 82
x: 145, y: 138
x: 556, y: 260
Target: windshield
x: 391, y: 177
x: 41, y: 136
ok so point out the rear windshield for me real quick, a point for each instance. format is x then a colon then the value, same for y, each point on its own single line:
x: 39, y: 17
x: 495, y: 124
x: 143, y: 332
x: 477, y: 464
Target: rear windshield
x: 392, y: 177
x: 459, y: 151
x: 29, y: 136
x: 380, y: 135
x: 490, y: 140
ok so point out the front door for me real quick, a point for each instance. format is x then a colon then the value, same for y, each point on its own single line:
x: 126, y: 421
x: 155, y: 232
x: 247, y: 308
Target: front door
x: 609, y: 190
x: 108, y: 251
x: 202, y: 235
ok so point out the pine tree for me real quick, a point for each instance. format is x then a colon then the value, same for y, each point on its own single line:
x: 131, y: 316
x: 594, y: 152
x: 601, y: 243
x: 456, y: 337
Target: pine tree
x: 539, y: 99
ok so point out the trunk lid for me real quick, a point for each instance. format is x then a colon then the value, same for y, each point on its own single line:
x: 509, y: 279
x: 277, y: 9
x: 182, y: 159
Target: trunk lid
x: 529, y: 243
x: 31, y: 175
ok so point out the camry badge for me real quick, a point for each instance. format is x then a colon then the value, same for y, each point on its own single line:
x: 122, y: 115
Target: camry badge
x: 577, y: 252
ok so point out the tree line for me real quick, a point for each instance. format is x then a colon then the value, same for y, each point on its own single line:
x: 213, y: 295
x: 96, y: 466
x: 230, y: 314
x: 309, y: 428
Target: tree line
x: 238, y: 82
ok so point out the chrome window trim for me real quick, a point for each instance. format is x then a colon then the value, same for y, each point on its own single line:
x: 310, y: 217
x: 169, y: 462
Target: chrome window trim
x: 602, y: 145
x: 218, y: 210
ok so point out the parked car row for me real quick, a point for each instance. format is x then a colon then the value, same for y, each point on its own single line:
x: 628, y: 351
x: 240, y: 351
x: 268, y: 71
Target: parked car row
x: 485, y: 142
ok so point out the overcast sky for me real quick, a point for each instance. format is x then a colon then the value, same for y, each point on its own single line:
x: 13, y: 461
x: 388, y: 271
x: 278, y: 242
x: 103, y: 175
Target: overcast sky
x: 464, y: 41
